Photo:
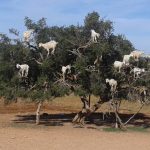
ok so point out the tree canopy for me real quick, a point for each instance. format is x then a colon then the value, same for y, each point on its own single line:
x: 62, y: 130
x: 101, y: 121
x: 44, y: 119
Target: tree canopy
x: 44, y: 81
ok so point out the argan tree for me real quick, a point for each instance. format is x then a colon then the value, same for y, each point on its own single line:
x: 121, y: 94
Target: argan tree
x: 91, y: 63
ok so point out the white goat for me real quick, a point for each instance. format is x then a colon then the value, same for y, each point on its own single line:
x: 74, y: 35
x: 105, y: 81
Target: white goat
x: 23, y: 69
x: 113, y: 84
x: 27, y: 35
x: 94, y: 35
x: 137, y: 71
x: 65, y: 70
x: 137, y: 54
x: 49, y: 45
x: 126, y: 59
x: 118, y: 65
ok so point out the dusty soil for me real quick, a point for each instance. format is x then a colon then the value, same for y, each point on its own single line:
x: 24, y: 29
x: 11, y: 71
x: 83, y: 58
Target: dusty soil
x: 56, y: 132
x: 68, y: 138
x: 28, y: 136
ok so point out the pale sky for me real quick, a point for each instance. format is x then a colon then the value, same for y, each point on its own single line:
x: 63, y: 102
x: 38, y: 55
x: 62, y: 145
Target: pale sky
x: 130, y: 17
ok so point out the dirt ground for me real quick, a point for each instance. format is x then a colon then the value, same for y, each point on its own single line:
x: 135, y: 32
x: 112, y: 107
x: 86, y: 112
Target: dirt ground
x: 56, y: 132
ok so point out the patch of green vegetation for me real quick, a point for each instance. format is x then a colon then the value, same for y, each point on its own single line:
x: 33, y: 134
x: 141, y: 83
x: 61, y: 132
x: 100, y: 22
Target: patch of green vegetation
x: 134, y: 129
x: 111, y: 129
x: 137, y: 129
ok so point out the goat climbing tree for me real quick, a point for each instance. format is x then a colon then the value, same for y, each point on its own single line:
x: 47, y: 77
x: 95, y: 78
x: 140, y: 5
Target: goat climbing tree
x: 91, y: 63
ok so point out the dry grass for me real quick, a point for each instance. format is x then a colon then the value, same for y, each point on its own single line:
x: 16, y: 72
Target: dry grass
x: 18, y: 130
x: 67, y: 103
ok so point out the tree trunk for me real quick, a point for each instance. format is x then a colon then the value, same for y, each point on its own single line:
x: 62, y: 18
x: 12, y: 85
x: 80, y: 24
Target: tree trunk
x: 86, y: 111
x: 116, y: 106
x: 38, y: 113
x: 89, y: 100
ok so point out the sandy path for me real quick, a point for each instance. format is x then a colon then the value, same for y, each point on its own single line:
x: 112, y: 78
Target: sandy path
x: 69, y: 138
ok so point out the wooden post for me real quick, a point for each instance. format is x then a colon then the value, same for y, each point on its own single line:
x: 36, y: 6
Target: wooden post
x: 38, y: 113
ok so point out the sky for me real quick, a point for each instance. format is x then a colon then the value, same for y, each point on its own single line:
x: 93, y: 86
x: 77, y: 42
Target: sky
x: 130, y: 17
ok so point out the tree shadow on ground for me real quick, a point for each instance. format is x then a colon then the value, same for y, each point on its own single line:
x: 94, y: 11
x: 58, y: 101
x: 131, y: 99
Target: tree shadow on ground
x: 46, y: 119
x: 96, y: 119
x: 140, y: 120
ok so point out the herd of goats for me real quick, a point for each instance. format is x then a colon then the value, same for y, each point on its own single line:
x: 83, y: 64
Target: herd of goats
x: 24, y: 68
x: 65, y: 70
x: 118, y: 65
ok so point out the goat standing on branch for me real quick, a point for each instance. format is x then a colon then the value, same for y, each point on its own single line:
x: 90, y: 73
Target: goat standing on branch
x: 137, y: 71
x: 112, y: 84
x: 94, y: 35
x: 137, y: 54
x: 78, y: 51
x: 27, y: 35
x: 126, y: 59
x: 23, y: 70
x: 118, y: 65
x: 49, y: 45
x: 65, y: 70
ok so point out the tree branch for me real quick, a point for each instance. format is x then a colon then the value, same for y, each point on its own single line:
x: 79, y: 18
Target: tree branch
x: 40, y: 63
x: 133, y: 115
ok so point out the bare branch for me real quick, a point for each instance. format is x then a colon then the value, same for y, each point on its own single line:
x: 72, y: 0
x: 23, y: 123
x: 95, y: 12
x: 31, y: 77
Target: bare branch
x: 31, y: 46
x: 32, y: 87
x: 75, y: 52
x: 133, y: 115
x: 40, y: 63
x: 42, y: 58
x: 71, y: 42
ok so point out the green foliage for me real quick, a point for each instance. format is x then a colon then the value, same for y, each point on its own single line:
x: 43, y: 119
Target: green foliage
x: 59, y: 90
x: 92, y: 21
x: 43, y: 81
